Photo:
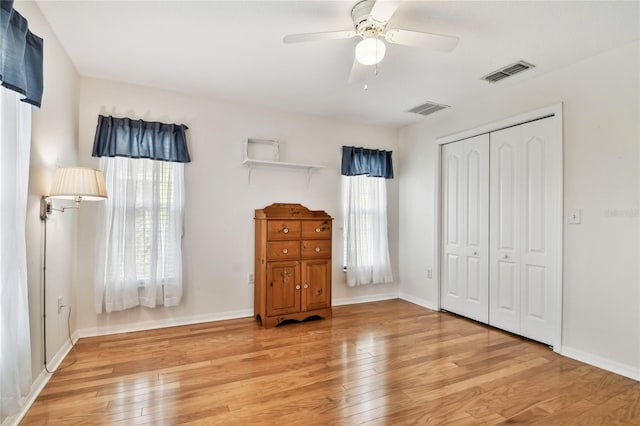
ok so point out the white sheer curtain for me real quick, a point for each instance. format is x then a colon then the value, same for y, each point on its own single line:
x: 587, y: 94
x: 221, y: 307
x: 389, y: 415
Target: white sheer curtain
x: 365, y: 230
x: 139, y: 254
x: 15, y: 346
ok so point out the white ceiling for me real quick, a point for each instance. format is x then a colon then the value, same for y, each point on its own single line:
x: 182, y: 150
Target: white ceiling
x: 233, y: 50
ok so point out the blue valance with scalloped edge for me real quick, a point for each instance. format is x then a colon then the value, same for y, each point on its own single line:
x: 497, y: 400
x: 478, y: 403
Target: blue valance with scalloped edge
x: 363, y: 161
x: 21, y: 54
x: 126, y: 137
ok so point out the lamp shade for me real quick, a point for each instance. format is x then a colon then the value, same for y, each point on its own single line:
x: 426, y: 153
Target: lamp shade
x: 370, y: 51
x: 78, y: 183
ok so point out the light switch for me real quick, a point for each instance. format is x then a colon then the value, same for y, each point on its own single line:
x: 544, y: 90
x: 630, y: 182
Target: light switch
x: 574, y: 216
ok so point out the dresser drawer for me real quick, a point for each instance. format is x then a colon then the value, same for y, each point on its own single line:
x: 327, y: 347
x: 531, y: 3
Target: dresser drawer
x: 312, y: 229
x: 283, y: 230
x: 283, y: 250
x: 316, y: 249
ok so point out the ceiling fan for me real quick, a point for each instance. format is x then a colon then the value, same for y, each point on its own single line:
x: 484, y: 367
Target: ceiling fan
x: 370, y: 18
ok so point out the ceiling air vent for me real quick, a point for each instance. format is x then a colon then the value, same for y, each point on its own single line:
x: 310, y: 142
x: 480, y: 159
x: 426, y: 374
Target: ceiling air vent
x: 507, y: 71
x: 427, y: 108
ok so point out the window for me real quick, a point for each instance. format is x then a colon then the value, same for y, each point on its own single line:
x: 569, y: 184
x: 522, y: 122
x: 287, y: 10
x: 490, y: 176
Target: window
x: 366, y: 249
x: 149, y: 215
x: 141, y: 245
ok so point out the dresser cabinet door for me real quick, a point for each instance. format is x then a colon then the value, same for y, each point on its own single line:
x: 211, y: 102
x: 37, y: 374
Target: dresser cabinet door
x: 283, y: 288
x: 316, y: 284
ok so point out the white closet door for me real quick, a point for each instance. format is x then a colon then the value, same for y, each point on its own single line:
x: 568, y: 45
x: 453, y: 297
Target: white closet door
x: 504, y: 287
x: 465, y: 203
x: 525, y: 162
x: 541, y: 155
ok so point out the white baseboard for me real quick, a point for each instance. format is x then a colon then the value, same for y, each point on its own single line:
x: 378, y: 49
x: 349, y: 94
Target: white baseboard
x: 40, y: 382
x: 600, y: 362
x: 420, y: 302
x: 364, y: 299
x: 163, y: 323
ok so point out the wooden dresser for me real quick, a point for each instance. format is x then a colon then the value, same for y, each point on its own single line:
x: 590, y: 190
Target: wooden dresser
x: 292, y: 264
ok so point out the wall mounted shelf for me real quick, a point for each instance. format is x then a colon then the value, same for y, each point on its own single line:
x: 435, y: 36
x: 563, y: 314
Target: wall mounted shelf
x: 269, y: 151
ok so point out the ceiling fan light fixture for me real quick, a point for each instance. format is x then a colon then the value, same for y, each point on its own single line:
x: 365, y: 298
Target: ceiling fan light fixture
x: 370, y: 51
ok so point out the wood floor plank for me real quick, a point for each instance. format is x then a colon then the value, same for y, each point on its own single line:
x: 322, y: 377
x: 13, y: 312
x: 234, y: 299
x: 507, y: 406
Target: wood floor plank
x: 378, y: 363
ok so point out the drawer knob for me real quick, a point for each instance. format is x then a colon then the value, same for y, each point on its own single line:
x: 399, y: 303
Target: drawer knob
x: 318, y: 229
x: 285, y: 230
x: 285, y: 251
x: 317, y: 249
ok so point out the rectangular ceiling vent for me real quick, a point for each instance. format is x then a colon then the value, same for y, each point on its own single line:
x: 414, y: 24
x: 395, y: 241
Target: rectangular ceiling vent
x: 507, y: 71
x: 427, y: 108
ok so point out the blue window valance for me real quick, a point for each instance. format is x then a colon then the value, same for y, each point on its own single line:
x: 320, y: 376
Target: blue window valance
x: 20, y: 55
x: 363, y: 161
x: 126, y: 137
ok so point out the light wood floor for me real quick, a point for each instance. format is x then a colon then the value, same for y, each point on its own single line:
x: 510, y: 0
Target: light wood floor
x: 377, y: 363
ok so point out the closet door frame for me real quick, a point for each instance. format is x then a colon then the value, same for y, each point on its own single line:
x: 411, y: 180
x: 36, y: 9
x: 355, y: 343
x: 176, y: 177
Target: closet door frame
x: 555, y: 210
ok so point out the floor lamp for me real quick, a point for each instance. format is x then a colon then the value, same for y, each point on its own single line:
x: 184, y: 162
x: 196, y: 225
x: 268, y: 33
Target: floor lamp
x: 69, y: 183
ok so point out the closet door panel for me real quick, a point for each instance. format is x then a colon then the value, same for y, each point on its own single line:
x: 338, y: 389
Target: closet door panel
x: 504, y: 178
x: 535, y: 191
x: 451, y: 298
x: 476, y: 183
x: 474, y: 280
x: 539, y: 191
x: 535, y: 292
x: 452, y: 291
x: 475, y: 223
x: 504, y: 281
x: 465, y: 192
x: 504, y: 276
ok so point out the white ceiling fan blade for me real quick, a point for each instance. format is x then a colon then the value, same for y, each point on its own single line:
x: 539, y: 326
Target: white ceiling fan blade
x: 383, y: 10
x: 358, y: 73
x: 331, y: 35
x: 419, y: 39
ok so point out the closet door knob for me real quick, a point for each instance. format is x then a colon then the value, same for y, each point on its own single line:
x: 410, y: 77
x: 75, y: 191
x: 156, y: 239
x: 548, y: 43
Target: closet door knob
x: 298, y: 287
x: 506, y: 256
x: 475, y: 253
x: 306, y: 286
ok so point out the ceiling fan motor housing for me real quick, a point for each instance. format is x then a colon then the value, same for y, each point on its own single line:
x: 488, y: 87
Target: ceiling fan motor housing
x: 361, y: 16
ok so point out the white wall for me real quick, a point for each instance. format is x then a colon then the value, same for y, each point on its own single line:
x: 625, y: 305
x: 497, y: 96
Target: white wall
x: 53, y: 143
x: 220, y: 202
x: 601, y: 309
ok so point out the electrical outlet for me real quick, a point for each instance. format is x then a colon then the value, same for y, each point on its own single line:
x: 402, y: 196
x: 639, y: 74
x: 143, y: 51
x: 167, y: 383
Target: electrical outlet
x: 250, y: 278
x: 60, y: 305
x: 429, y: 273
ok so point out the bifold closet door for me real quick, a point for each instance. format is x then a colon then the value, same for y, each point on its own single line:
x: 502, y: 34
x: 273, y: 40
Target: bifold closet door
x: 465, y: 210
x: 523, y: 296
